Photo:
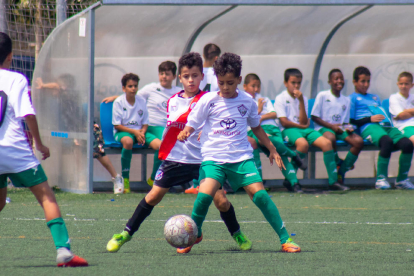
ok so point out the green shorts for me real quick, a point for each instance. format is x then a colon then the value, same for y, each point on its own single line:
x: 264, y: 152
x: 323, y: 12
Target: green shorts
x: 269, y: 129
x: 374, y: 132
x: 408, y: 131
x: 27, y: 178
x: 157, y: 131
x: 338, y: 136
x: 149, y: 137
x: 238, y: 174
x: 290, y: 135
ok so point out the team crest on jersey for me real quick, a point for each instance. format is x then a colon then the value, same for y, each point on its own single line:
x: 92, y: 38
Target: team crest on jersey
x: 359, y: 98
x: 164, y: 104
x: 159, y: 175
x: 228, y: 123
x: 242, y: 109
x: 336, y: 118
x: 140, y: 112
x: 343, y: 107
x: 296, y: 118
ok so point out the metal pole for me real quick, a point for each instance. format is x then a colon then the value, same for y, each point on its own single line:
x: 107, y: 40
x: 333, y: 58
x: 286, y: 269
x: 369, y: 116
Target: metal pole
x: 91, y: 100
x: 60, y: 11
x: 3, y: 16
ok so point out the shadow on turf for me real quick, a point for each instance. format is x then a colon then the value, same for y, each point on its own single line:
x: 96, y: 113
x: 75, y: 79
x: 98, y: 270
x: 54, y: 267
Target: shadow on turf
x: 238, y: 251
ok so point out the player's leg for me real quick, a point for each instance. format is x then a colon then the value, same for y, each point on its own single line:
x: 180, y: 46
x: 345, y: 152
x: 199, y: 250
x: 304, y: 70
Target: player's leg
x: 3, y: 191
x: 127, y: 140
x: 357, y: 143
x: 406, y: 146
x: 154, y: 137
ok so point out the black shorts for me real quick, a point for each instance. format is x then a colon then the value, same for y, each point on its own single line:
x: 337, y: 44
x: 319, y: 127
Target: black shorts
x: 171, y: 174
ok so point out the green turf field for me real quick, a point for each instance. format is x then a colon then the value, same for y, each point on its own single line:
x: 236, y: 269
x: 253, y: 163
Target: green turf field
x: 359, y: 233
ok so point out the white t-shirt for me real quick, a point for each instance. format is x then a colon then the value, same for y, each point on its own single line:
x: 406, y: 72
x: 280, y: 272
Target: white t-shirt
x: 157, y: 97
x: 287, y: 106
x: 15, y: 152
x: 397, y: 105
x: 133, y: 117
x: 224, y: 135
x: 267, y: 108
x: 209, y: 83
x: 331, y: 109
x: 189, y: 151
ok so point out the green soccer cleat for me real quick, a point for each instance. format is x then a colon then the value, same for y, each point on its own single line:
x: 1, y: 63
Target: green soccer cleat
x: 242, y: 241
x: 117, y: 241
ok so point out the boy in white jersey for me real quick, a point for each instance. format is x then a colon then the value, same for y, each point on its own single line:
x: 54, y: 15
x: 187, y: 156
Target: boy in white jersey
x: 292, y: 110
x: 331, y: 116
x: 18, y: 162
x: 268, y: 116
x: 156, y: 95
x: 211, y: 52
x: 181, y: 161
x: 130, y: 120
x: 226, y: 152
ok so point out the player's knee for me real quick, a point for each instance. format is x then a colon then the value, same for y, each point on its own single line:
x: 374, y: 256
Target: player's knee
x: 330, y: 136
x: 153, y: 198
x: 302, y: 145
x: 405, y: 145
x: 222, y: 204
x: 326, y: 144
x: 127, y: 144
x: 155, y: 144
x: 386, y: 145
x: 358, y: 142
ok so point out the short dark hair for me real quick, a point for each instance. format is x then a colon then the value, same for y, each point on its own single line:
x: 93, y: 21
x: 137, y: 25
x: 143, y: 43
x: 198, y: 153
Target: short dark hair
x: 190, y: 60
x: 406, y: 75
x: 5, y: 47
x: 249, y: 77
x: 292, y: 72
x: 336, y: 70
x: 361, y: 70
x: 127, y: 77
x: 228, y: 63
x: 211, y: 51
x: 167, y: 66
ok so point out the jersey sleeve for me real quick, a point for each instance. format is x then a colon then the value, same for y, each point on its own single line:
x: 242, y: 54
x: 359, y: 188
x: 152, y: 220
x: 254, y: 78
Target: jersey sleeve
x: 395, y: 108
x: 199, y: 114
x: 20, y: 100
x: 280, y: 107
x: 145, y: 118
x: 144, y: 92
x: 117, y: 113
x: 269, y: 105
x: 352, y: 107
x: 317, y: 107
x: 253, y: 120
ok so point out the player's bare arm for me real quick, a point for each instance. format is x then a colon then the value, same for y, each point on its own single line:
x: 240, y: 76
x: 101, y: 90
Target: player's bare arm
x: 34, y: 130
x: 260, y: 104
x: 268, y: 116
x: 185, y: 133
x: 264, y: 139
x: 110, y: 99
x: 406, y: 114
x: 377, y: 118
x: 286, y: 123
x: 335, y: 127
x: 303, y: 118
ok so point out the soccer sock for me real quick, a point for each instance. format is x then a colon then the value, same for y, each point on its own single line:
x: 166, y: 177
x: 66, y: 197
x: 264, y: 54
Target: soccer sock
x: 230, y: 220
x: 330, y: 164
x: 157, y: 163
x: 126, y: 156
x: 256, y: 157
x: 142, y: 211
x: 337, y: 159
x: 270, y: 212
x: 281, y: 148
x: 382, y: 167
x: 405, y: 164
x: 200, y: 209
x: 349, y: 161
x: 290, y: 172
x: 59, y: 232
x: 302, y: 156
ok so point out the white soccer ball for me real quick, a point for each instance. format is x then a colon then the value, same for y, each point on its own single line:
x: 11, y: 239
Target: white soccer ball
x: 180, y: 231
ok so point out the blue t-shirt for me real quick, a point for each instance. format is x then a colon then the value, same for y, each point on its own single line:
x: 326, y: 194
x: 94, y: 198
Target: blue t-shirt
x: 362, y: 105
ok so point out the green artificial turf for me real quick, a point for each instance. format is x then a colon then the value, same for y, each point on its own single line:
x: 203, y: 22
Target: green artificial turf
x: 358, y: 233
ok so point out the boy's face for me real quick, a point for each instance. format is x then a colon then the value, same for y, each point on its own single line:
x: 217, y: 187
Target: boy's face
x: 191, y: 78
x: 362, y: 85
x: 293, y: 83
x: 130, y: 88
x: 228, y: 85
x: 252, y: 87
x: 337, y: 81
x: 405, y: 84
x: 166, y: 78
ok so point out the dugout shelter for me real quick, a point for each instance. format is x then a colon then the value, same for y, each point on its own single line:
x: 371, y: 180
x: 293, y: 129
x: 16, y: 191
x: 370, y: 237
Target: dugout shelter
x: 88, y: 53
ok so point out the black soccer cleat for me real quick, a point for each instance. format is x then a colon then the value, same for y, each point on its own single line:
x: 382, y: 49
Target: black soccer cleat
x: 297, y: 188
x: 300, y: 162
x: 338, y: 187
x: 287, y: 185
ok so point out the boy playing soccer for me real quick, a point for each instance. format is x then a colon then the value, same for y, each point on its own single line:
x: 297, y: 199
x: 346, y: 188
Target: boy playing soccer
x: 226, y: 152
x: 17, y: 160
x: 181, y: 161
x: 268, y: 115
x: 292, y: 110
x: 376, y: 127
x: 130, y: 120
x: 331, y: 116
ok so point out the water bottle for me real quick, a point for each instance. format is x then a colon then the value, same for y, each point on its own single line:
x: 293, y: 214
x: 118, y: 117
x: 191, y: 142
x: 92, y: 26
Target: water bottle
x: 8, y: 200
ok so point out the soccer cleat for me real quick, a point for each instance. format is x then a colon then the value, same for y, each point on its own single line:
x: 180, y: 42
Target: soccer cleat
x: 117, y: 241
x: 127, y: 190
x: 338, y: 187
x: 65, y: 258
x: 191, y: 190
x: 382, y: 184
x: 118, y: 184
x: 287, y: 185
x: 297, y: 188
x: 188, y: 249
x: 150, y: 182
x: 299, y: 162
x: 405, y: 184
x: 74, y: 262
x: 290, y: 247
x: 242, y: 241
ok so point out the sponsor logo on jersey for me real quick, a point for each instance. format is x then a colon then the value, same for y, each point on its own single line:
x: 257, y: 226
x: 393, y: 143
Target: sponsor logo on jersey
x: 132, y: 123
x: 164, y: 104
x: 159, y: 175
x: 296, y: 119
x: 343, y: 107
x: 228, y: 123
x: 242, y: 109
x: 176, y: 124
x: 140, y: 112
x: 336, y: 118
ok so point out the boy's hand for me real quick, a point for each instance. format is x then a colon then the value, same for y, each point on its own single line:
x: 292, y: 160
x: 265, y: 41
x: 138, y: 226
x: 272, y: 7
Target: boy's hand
x: 139, y: 134
x: 109, y: 99
x: 39, y: 83
x: 337, y: 128
x: 275, y: 156
x: 349, y: 128
x: 298, y: 95
x: 44, y: 150
x: 183, y: 135
x: 260, y: 105
x: 377, y: 118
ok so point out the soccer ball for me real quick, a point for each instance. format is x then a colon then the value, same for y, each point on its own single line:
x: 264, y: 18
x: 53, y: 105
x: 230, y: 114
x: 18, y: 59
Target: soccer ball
x: 180, y: 231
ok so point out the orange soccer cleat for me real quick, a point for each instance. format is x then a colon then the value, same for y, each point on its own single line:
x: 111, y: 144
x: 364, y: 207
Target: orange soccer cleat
x: 290, y: 247
x: 74, y: 262
x: 191, y: 190
x: 188, y: 249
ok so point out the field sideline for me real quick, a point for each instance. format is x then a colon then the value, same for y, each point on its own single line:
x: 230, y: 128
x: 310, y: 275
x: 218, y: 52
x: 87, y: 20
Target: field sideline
x: 359, y: 233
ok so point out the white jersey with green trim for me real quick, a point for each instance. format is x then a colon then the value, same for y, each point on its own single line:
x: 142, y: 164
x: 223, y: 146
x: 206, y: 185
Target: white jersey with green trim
x: 331, y: 109
x: 398, y: 103
x: 16, y: 154
x: 209, y: 83
x: 131, y: 116
x: 224, y: 135
x: 267, y: 108
x: 157, y: 97
x: 288, y: 107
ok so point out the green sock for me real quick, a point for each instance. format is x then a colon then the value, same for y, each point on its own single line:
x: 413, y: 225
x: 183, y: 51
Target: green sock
x: 256, y: 157
x: 405, y: 164
x: 301, y: 155
x: 290, y: 172
x: 200, y: 209
x: 126, y: 156
x: 196, y: 183
x: 382, y: 167
x: 349, y: 161
x: 330, y: 164
x: 157, y: 163
x: 59, y: 232
x: 281, y: 148
x: 270, y: 212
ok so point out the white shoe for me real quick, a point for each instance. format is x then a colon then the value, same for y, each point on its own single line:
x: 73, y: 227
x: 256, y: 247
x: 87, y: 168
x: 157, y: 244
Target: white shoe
x: 118, y: 184
x: 382, y: 184
x: 405, y: 184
